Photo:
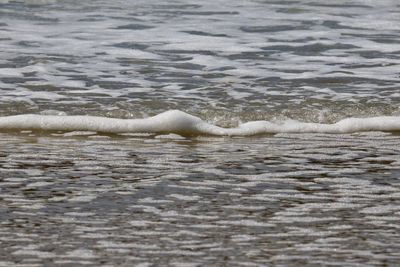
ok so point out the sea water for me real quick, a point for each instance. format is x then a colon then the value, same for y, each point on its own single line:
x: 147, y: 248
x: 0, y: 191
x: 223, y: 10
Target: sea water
x: 199, y: 133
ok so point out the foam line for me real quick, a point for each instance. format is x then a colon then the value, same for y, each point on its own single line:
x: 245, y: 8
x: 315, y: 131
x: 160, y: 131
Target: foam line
x: 175, y: 121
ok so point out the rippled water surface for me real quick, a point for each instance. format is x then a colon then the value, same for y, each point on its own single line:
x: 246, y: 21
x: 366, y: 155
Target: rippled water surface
x: 290, y: 200
x: 220, y: 59
x: 128, y: 199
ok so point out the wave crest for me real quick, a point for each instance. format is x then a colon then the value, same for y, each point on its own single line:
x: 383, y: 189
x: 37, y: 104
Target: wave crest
x: 179, y: 122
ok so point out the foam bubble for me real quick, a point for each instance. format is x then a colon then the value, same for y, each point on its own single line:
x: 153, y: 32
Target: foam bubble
x: 178, y: 122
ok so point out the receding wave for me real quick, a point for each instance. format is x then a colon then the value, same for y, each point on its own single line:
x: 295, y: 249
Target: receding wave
x: 178, y: 122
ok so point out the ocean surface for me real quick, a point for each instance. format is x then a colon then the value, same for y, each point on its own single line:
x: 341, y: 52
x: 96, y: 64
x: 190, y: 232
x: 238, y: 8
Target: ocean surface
x: 199, y: 133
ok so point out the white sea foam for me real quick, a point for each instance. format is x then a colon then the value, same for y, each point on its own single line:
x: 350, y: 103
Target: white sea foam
x: 178, y: 122
x: 242, y: 54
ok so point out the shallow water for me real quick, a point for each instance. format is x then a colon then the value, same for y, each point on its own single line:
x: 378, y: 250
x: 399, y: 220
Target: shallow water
x: 223, y: 61
x: 83, y: 196
x: 290, y: 200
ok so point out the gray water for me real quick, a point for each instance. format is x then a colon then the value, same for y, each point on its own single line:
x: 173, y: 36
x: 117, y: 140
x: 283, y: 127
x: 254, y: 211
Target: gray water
x: 224, y: 61
x: 89, y: 199
x: 290, y: 200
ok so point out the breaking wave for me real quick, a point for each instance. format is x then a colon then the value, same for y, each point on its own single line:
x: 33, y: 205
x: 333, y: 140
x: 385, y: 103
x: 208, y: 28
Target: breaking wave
x: 178, y: 122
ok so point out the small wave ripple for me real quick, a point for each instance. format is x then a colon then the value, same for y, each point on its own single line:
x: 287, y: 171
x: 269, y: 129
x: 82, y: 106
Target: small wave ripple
x: 179, y: 122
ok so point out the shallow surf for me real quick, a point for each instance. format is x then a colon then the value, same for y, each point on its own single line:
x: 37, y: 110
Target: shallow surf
x: 113, y: 118
x: 178, y: 122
